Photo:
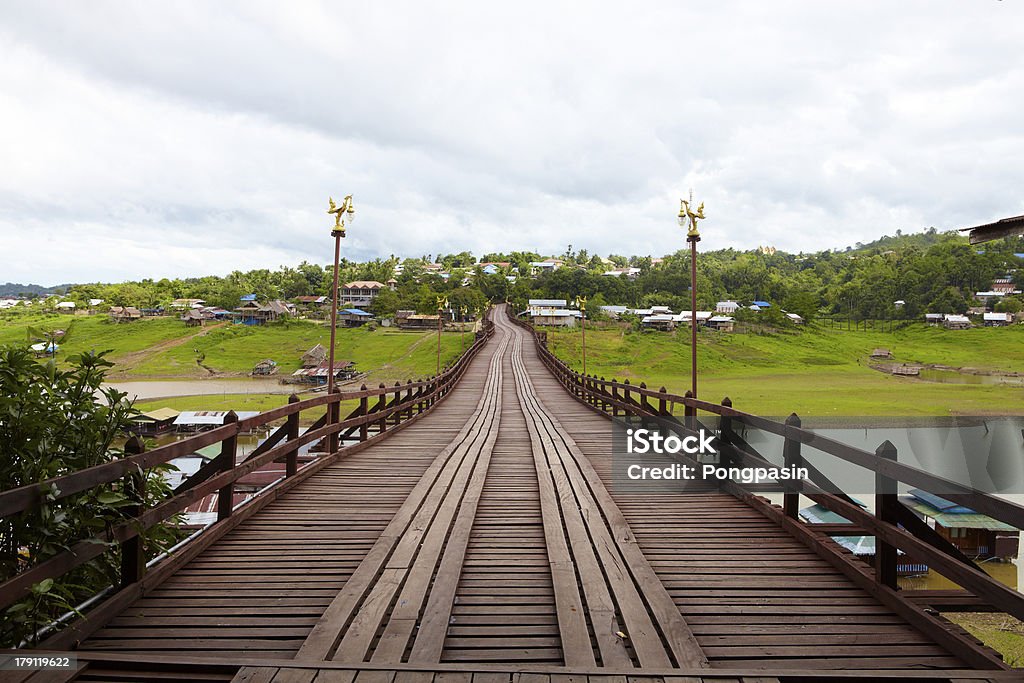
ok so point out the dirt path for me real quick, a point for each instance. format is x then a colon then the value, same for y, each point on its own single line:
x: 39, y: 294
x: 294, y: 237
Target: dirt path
x: 133, y: 359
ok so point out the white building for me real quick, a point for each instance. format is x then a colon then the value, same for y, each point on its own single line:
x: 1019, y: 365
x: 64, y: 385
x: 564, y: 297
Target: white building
x: 543, y: 306
x: 727, y: 307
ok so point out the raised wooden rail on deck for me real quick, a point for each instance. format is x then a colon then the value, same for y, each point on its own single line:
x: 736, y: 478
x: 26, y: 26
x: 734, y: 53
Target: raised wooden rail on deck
x: 891, y: 525
x: 362, y: 427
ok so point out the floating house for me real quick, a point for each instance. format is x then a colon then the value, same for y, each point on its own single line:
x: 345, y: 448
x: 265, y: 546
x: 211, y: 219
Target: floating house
x: 154, y: 422
x: 202, y: 420
x: 318, y: 374
x: 265, y: 368
x: 975, y: 534
x: 861, y: 546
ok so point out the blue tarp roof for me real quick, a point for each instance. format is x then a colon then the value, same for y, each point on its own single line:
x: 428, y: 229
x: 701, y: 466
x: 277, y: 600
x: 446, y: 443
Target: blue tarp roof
x: 762, y: 304
x: 247, y: 297
x: 1018, y: 255
x: 355, y: 311
x: 940, y: 503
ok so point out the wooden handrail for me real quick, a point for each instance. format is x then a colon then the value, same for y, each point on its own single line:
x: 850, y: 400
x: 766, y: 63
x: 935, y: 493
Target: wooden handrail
x: 611, y: 396
x: 410, y: 400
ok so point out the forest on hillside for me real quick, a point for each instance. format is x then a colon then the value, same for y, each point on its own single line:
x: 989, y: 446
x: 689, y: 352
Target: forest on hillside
x: 929, y: 271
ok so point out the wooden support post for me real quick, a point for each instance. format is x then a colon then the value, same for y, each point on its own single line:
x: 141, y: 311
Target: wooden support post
x: 408, y: 399
x: 604, y: 392
x: 333, y: 417
x: 228, y: 451
x: 133, y: 557
x: 645, y: 405
x: 291, y: 461
x: 396, y: 403
x: 364, y: 408
x: 793, y: 458
x: 662, y: 402
x: 885, y: 503
x: 382, y: 403
x: 689, y: 413
x: 725, y: 437
x: 615, y: 397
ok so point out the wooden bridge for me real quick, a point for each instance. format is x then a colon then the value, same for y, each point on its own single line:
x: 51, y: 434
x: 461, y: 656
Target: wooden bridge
x: 463, y: 528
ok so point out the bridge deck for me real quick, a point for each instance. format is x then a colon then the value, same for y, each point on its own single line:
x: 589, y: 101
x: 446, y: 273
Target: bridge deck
x: 485, y: 535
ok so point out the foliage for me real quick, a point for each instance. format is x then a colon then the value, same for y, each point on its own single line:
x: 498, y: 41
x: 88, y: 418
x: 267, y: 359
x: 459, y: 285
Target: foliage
x: 52, y: 422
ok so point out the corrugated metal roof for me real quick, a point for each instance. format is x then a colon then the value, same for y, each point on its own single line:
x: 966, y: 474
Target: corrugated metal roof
x: 949, y: 514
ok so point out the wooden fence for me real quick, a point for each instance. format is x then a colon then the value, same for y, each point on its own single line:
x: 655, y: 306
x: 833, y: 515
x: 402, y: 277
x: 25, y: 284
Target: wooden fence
x: 894, y: 526
x: 380, y: 410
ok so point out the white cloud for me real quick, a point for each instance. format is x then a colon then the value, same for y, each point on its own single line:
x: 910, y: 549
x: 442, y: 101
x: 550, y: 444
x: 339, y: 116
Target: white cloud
x: 193, y: 138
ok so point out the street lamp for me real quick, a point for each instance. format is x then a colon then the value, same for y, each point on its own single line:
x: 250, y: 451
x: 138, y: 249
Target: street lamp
x: 343, y: 213
x: 688, y: 219
x: 442, y: 304
x: 581, y: 301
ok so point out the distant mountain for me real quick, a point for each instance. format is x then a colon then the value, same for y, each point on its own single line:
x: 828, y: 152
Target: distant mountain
x: 18, y: 289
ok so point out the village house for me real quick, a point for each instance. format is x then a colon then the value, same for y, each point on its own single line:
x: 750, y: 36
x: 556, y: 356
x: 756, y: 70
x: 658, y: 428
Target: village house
x: 494, y: 267
x: 722, y: 323
x: 193, y: 318
x: 264, y: 368
x: 547, y: 265
x: 1004, y: 285
x: 253, y: 312
x: 360, y: 293
x: 540, y: 306
x: 726, y: 307
x: 881, y: 354
x: 412, y: 320
x: 630, y: 273
x: 795, y: 318
x: 665, y: 322
x: 974, y: 534
x: 124, y: 314
x: 353, y: 317
x: 952, y: 321
x: 318, y: 374
x: 66, y: 306
x: 154, y: 422
x: 187, y: 303
x: 559, y: 317
x: 934, y: 319
x: 614, y: 312
x: 989, y: 296
x: 997, y: 319
x: 314, y: 357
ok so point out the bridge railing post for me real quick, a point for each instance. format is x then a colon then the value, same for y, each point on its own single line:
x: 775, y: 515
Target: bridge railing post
x: 133, y: 559
x: 291, y: 462
x: 382, y: 404
x: 645, y: 405
x: 689, y: 413
x: 408, y: 399
x: 793, y: 458
x: 333, y: 417
x: 886, y: 502
x: 663, y: 402
x: 396, y: 403
x: 228, y: 453
x: 725, y: 437
x: 364, y: 408
x: 615, y: 397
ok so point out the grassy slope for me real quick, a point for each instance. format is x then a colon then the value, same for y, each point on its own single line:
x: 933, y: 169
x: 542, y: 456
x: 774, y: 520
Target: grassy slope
x: 165, y: 348
x: 812, y: 372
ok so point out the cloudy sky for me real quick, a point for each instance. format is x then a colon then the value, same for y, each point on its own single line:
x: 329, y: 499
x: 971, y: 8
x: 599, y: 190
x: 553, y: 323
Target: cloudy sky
x: 144, y: 139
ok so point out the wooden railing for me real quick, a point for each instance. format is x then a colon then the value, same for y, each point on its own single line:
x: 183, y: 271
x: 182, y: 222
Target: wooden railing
x: 379, y: 411
x: 894, y: 526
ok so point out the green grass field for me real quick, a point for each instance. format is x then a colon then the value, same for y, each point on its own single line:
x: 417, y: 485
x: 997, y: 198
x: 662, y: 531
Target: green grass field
x: 164, y: 348
x: 814, y: 372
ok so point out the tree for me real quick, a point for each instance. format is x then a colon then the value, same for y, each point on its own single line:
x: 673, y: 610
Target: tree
x: 386, y: 303
x: 53, y: 422
x: 1009, y: 304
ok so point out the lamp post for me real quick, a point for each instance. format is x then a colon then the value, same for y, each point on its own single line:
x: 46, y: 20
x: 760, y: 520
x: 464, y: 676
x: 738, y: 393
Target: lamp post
x: 581, y: 301
x: 688, y: 219
x: 345, y: 212
x: 442, y: 304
